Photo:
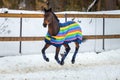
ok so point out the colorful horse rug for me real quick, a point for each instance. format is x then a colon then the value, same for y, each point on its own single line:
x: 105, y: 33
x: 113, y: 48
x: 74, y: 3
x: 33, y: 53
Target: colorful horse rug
x: 69, y: 32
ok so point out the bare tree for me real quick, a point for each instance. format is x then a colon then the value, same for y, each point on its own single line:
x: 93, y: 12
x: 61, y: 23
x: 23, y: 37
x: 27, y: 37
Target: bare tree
x: 110, y: 4
x: 61, y: 5
x: 99, y: 5
x: 30, y: 4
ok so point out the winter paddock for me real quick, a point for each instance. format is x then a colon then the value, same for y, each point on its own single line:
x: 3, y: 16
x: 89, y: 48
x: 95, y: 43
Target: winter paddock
x: 23, y: 59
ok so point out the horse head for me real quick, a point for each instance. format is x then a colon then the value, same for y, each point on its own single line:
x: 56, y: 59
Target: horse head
x: 52, y: 21
x: 47, y: 17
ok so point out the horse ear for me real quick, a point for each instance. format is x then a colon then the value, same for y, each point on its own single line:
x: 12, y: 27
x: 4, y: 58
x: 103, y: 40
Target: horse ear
x: 50, y: 9
x: 44, y: 10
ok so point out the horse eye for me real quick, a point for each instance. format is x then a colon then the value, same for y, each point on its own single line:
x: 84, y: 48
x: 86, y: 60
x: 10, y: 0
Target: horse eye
x: 46, y: 15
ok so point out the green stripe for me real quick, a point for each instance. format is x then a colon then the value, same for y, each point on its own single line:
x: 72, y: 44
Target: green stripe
x: 70, y: 26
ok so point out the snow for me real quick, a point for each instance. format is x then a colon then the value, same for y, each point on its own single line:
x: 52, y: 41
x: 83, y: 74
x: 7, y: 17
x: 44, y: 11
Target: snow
x: 3, y: 10
x: 88, y: 66
x: 96, y: 12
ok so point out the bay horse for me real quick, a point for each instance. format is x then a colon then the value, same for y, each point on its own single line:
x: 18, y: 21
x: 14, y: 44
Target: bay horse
x: 60, y: 34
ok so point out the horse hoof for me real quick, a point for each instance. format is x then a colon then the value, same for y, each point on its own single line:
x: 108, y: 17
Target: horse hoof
x: 62, y: 55
x: 47, y: 59
x: 62, y: 63
x: 73, y: 61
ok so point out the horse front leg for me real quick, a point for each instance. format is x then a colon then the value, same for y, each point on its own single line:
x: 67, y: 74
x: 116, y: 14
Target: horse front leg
x: 43, y: 52
x: 56, y: 55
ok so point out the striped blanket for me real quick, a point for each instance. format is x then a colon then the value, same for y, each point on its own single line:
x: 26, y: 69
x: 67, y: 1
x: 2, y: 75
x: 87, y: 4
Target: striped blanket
x: 69, y: 32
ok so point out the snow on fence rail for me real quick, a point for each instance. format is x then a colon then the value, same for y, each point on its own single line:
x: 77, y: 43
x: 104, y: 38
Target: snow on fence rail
x: 11, y: 15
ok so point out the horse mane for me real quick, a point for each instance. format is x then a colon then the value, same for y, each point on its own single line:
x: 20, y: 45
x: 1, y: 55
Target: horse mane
x: 55, y: 16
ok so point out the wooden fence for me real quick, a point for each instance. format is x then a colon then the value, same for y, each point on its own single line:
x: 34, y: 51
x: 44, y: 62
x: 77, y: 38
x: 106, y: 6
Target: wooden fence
x: 60, y: 16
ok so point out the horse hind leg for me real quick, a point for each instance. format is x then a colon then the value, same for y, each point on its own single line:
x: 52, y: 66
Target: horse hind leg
x: 43, y: 52
x: 56, y: 55
x: 67, y: 49
x: 75, y: 53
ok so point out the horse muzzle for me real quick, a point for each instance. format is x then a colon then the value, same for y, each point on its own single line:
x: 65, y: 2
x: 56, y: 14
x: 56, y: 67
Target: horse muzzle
x: 44, y: 24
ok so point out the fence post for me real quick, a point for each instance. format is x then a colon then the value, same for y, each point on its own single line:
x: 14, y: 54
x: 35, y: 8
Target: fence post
x: 65, y: 17
x: 103, y: 33
x: 20, y: 46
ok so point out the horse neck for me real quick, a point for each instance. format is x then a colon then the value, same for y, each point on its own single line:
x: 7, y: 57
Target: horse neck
x: 53, y: 28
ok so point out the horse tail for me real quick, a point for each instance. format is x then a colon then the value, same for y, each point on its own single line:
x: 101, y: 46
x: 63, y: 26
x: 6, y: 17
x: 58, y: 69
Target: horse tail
x: 84, y: 39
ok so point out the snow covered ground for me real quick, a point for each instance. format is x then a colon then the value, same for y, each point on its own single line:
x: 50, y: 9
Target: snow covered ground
x: 88, y: 66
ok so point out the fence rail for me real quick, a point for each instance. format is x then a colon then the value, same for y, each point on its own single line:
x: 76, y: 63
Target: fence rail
x: 42, y: 38
x: 61, y: 15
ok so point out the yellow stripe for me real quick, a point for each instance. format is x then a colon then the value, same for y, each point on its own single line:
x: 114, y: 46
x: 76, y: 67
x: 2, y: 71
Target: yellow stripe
x: 71, y: 25
x: 59, y: 37
x: 47, y: 38
x: 78, y: 32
